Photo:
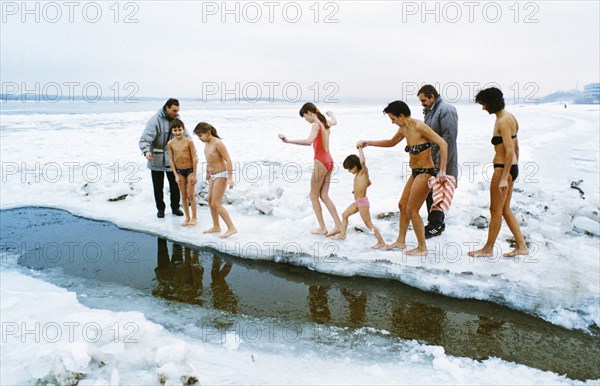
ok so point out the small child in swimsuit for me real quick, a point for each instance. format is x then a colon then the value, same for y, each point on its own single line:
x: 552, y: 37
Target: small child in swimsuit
x: 183, y: 160
x: 358, y: 167
x: 219, y: 174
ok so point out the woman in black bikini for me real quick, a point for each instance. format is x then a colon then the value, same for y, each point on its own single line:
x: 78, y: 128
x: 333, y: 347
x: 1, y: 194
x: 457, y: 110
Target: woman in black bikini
x: 419, y: 138
x: 506, y: 147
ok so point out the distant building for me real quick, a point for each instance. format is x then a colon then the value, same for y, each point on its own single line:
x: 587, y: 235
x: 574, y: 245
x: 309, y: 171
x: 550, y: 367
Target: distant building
x: 591, y: 93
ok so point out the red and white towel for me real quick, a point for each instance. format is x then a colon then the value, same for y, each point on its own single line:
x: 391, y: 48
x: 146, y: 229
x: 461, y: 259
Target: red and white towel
x: 442, y: 193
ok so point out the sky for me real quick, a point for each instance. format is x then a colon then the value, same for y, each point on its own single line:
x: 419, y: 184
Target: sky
x: 297, y: 49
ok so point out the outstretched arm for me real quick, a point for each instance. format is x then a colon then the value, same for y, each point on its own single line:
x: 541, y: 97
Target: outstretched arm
x: 383, y: 143
x: 361, y: 157
x: 304, y: 142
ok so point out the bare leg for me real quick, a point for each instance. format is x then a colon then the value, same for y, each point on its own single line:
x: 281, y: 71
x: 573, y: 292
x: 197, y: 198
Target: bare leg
x: 191, y: 194
x: 497, y: 200
x: 214, y: 214
x: 184, y: 199
x: 513, y: 225
x: 316, y: 182
x: 418, y: 193
x: 350, y: 210
x: 365, y: 214
x: 324, y: 194
x: 400, y: 242
x: 220, y: 184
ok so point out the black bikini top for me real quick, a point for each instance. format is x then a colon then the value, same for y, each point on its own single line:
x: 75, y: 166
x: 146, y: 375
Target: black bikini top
x: 497, y: 140
x: 416, y: 149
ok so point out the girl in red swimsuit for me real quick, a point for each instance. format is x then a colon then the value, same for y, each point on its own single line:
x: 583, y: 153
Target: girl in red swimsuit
x: 321, y: 175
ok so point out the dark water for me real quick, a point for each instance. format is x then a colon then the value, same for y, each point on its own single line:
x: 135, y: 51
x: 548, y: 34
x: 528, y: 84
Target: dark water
x: 47, y: 238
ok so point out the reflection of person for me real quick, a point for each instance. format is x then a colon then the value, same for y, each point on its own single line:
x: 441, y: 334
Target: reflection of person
x: 153, y: 144
x: 358, y: 167
x: 219, y: 174
x: 223, y: 296
x: 179, y: 276
x: 357, y: 305
x: 183, y: 159
x: 420, y: 321
x: 323, y: 166
x: 419, y: 139
x: 506, y: 170
x: 443, y: 119
x: 318, y: 304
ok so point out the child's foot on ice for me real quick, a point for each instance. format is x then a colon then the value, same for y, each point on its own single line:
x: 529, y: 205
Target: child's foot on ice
x: 212, y: 230
x: 229, y: 232
x: 319, y: 231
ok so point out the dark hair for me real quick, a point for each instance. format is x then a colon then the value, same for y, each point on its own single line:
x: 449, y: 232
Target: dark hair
x: 311, y: 108
x: 397, y: 108
x: 176, y: 123
x: 204, y: 127
x: 428, y: 91
x: 492, y: 98
x: 351, y: 161
x: 170, y: 102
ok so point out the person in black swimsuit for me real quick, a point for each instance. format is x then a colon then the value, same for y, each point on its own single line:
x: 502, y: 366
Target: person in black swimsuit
x: 419, y: 138
x: 506, y: 170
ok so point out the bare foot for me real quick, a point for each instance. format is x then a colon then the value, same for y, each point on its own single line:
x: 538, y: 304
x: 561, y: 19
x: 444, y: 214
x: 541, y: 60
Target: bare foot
x: 229, y: 232
x: 483, y: 252
x: 418, y: 251
x: 193, y: 222
x: 397, y: 244
x: 339, y: 237
x: 517, y: 252
x: 335, y: 231
x: 212, y: 230
x: 186, y: 222
x: 378, y: 246
x: 319, y: 231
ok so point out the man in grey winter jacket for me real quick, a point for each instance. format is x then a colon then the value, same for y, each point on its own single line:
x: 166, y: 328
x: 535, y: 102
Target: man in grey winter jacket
x: 153, y: 144
x: 443, y: 119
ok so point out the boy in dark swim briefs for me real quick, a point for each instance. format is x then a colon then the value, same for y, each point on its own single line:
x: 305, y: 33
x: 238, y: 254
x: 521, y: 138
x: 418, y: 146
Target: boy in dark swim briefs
x: 184, y: 161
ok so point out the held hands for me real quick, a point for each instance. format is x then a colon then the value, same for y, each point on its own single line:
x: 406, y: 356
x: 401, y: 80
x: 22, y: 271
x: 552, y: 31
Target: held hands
x: 283, y: 138
x: 361, y: 144
x: 329, y: 114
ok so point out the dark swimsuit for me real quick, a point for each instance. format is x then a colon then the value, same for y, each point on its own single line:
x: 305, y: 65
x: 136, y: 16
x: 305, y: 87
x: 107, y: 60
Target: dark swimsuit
x: 185, y: 172
x: 514, y: 169
x: 416, y: 149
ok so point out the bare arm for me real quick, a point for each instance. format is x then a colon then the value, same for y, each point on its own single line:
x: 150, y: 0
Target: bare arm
x: 332, y: 121
x: 361, y: 157
x: 304, y: 142
x: 194, y: 160
x: 172, y: 160
x: 431, y: 135
x: 384, y: 142
x: 509, y: 151
x: 222, y: 150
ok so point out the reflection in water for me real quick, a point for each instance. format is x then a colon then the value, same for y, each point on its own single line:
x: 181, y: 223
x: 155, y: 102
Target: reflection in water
x: 357, y: 305
x: 178, y: 278
x: 419, y: 321
x: 318, y: 304
x: 223, y: 296
x: 262, y: 289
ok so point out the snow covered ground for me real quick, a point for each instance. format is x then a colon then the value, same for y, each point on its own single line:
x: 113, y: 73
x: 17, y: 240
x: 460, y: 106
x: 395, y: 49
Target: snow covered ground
x: 79, y: 161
